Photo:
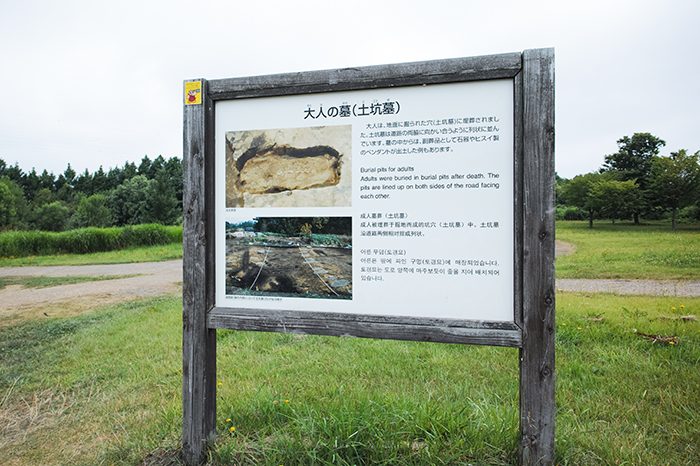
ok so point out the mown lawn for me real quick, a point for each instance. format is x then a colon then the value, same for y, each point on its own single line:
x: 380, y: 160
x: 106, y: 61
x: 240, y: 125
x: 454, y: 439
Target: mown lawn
x: 629, y: 251
x: 105, y: 388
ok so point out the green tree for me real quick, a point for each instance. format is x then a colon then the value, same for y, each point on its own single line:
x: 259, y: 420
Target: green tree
x: 12, y: 205
x: 92, y: 211
x: 162, y: 201
x: 52, y: 216
x: 145, y: 166
x: 615, y: 199
x: 577, y: 192
x: 69, y: 175
x: 100, y: 183
x: 173, y: 166
x: 30, y: 183
x: 129, y: 171
x: 675, y: 181
x: 129, y: 201
x: 83, y: 182
x: 47, y: 180
x: 14, y: 173
x: 633, y: 161
x: 42, y: 197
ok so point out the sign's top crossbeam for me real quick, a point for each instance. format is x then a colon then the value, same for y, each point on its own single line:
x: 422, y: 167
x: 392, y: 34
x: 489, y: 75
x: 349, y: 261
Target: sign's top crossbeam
x: 498, y: 66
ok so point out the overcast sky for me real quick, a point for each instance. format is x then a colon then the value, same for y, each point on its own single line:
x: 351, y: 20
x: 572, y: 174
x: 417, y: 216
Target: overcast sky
x: 95, y: 83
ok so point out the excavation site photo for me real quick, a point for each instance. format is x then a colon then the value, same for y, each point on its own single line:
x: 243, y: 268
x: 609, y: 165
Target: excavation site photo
x: 299, y: 257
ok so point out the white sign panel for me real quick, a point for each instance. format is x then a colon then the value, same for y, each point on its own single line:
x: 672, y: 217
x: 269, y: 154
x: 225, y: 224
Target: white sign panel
x: 392, y: 201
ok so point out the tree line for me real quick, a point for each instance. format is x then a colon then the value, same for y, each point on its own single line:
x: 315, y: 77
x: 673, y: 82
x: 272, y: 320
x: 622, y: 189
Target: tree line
x: 304, y: 225
x: 150, y: 192
x: 635, y: 182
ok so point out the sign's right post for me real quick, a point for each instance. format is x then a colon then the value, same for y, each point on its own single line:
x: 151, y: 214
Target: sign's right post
x: 537, y: 406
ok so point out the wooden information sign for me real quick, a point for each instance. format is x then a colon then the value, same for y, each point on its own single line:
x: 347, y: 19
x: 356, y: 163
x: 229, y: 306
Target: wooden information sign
x: 411, y: 201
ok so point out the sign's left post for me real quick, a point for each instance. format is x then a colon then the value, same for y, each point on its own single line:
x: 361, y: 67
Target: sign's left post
x: 198, y: 341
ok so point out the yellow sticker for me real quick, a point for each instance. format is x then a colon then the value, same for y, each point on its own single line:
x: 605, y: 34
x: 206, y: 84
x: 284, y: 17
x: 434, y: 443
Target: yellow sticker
x: 193, y: 93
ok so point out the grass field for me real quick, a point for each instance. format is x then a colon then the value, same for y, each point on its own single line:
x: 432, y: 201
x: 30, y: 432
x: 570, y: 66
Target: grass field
x: 629, y: 251
x: 142, y: 254
x: 104, y: 388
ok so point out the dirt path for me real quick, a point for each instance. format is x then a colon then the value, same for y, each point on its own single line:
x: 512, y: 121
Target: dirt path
x: 18, y: 303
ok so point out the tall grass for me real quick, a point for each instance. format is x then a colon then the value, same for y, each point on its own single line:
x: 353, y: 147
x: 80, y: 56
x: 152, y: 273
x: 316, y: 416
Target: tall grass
x: 86, y: 240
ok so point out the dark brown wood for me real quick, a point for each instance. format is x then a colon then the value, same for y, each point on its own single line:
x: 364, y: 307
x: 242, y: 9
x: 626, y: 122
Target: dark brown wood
x: 371, y: 77
x: 537, y: 408
x: 198, y: 341
x: 368, y: 326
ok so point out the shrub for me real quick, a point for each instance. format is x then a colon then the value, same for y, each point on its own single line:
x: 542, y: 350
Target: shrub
x: 690, y: 213
x: 92, y: 211
x: 569, y: 213
x: 52, y: 216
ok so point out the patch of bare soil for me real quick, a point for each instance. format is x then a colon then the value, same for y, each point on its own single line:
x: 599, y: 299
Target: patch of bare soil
x: 296, y: 271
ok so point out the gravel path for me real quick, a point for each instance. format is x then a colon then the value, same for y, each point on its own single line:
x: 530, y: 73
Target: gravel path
x: 635, y: 287
x: 170, y: 268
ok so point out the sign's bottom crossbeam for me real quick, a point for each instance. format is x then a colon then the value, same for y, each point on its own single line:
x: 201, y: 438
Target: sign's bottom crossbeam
x: 368, y: 326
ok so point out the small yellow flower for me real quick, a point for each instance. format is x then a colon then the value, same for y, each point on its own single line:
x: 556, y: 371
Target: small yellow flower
x: 673, y: 308
x: 232, y: 429
x: 228, y: 419
x: 682, y: 306
x: 219, y: 383
x: 286, y: 402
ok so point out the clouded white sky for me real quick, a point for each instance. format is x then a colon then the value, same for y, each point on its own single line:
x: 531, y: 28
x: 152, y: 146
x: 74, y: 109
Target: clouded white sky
x: 95, y: 83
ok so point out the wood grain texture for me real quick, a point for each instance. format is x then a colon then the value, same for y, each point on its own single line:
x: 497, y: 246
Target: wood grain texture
x: 537, y: 408
x: 368, y: 326
x: 518, y: 199
x: 198, y: 341
x: 371, y: 77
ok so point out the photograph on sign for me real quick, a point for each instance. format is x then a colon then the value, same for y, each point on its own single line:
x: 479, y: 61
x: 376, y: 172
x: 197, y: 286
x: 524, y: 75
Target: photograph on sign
x: 293, y: 257
x: 290, y: 167
x: 421, y: 177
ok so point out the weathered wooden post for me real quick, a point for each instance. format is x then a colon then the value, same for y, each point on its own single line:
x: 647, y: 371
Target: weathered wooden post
x: 537, y: 406
x: 198, y: 340
x: 487, y: 231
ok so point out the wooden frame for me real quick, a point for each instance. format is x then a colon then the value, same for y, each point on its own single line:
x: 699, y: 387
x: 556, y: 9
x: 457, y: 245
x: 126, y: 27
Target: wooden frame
x: 533, y: 328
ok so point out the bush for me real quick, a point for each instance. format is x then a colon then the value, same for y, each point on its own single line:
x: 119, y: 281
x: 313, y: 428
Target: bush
x: 52, y: 216
x: 92, y: 211
x: 86, y: 240
x: 690, y: 214
x: 570, y: 213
